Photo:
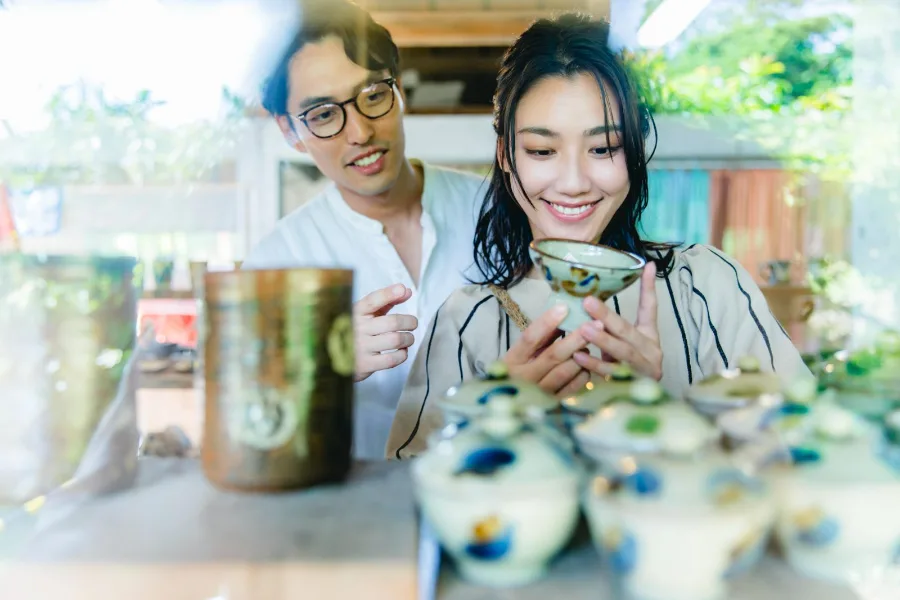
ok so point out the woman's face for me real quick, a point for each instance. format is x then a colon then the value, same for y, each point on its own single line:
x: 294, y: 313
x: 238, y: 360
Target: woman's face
x: 574, y: 177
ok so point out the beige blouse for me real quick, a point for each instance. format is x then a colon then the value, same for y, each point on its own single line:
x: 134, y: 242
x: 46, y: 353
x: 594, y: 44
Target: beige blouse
x: 711, y: 313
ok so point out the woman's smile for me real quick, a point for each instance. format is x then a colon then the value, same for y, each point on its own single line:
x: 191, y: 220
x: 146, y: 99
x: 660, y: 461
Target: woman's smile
x: 570, y: 212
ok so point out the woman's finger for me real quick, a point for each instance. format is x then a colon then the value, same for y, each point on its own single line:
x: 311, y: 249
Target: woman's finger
x: 560, y: 376
x: 536, y: 336
x: 613, y: 323
x: 622, y: 351
x: 594, y: 364
x: 647, y: 305
x: 577, y: 384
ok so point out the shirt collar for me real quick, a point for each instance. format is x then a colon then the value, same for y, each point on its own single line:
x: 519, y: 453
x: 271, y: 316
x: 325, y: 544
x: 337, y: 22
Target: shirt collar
x: 363, y: 222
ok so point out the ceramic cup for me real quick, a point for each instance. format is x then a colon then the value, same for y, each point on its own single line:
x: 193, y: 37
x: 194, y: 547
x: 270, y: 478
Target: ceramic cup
x: 776, y: 272
x: 576, y: 270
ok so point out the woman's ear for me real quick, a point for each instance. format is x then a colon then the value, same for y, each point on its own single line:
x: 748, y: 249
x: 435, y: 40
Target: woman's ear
x: 289, y: 133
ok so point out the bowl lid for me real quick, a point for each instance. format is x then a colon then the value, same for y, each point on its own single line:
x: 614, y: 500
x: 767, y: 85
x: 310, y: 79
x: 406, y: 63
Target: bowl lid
x: 647, y: 422
x: 733, y: 388
x: 597, y: 394
x: 498, y: 448
x: 472, y: 397
x: 827, y: 443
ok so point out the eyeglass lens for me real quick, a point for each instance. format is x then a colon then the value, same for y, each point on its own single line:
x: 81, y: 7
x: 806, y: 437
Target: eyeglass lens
x: 328, y: 119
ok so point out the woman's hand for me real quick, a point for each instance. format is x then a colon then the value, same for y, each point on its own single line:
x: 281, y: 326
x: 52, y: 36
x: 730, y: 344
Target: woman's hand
x: 543, y: 357
x: 637, y: 345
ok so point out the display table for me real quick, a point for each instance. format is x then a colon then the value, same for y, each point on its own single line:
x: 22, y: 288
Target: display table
x: 174, y: 536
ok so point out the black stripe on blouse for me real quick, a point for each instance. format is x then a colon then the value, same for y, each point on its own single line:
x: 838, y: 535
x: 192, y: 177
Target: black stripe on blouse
x: 463, y: 328
x: 687, y: 351
x: 616, y: 304
x: 507, y: 333
x: 427, y: 387
x: 708, y: 317
x: 759, y: 326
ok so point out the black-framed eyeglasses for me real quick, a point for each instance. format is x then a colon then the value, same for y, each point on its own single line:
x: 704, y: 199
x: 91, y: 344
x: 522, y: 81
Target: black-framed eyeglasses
x: 328, y: 120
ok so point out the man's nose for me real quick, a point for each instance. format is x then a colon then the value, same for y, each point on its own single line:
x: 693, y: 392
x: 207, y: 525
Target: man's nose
x: 359, y: 129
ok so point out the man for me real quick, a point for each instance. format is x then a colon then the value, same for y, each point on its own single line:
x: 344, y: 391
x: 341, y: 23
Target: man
x: 405, y: 228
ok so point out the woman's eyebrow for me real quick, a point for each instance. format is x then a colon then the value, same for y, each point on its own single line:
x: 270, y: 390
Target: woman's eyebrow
x: 599, y: 130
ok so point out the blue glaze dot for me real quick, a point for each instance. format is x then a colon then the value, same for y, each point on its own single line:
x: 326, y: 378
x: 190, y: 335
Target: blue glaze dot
x: 644, y: 482
x: 823, y: 533
x: 804, y: 456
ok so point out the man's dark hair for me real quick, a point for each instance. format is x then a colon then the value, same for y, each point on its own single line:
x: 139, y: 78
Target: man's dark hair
x: 366, y: 43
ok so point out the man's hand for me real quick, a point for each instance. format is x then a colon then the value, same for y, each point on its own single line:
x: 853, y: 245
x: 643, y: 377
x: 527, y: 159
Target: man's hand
x: 382, y: 339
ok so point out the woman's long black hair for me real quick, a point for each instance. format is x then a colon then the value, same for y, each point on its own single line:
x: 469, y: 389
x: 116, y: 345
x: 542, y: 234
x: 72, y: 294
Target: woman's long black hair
x: 565, y: 46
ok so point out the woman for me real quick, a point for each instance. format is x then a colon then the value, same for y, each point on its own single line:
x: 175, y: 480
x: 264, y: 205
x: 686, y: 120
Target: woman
x: 571, y: 164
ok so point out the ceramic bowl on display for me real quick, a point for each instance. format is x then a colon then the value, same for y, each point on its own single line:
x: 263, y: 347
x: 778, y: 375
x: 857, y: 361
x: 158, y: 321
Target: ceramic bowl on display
x: 576, y: 270
x: 770, y: 414
x: 501, y: 495
x: 672, y: 516
x: 734, y: 388
x: 644, y: 420
x: 838, y: 491
x: 463, y: 402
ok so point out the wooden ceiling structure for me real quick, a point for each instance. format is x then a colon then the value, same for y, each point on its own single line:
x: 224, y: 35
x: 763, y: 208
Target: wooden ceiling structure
x: 472, y: 23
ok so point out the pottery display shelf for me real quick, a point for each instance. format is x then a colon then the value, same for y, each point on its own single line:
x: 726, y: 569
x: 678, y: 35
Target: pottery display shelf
x: 174, y: 536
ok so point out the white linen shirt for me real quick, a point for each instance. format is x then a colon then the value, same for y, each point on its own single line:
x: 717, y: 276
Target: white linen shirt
x: 325, y: 232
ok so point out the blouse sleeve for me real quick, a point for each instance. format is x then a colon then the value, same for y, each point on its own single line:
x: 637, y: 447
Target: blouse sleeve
x: 445, y: 358
x: 731, y: 318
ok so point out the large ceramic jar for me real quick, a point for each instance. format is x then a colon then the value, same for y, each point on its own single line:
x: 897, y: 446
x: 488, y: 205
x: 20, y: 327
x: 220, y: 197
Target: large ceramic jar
x: 501, y: 494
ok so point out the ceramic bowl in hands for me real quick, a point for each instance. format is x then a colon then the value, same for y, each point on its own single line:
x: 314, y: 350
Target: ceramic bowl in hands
x: 576, y: 270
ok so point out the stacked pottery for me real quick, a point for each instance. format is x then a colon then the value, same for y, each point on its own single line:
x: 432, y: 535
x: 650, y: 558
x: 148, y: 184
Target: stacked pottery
x: 673, y: 517
x: 499, y: 489
x: 837, y: 489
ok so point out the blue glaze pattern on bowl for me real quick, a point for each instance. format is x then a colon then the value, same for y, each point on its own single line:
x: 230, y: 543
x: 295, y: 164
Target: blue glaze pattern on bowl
x: 804, y: 456
x: 484, y: 462
x: 490, y: 540
x: 620, y: 549
x: 814, y: 528
x: 644, y: 482
x: 501, y: 390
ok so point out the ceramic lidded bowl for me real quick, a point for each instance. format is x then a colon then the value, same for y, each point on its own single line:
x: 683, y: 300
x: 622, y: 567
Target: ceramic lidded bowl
x: 839, y: 496
x: 502, y: 496
x: 641, y: 420
x: 463, y: 402
x: 576, y: 270
x: 734, y: 388
x: 673, y: 517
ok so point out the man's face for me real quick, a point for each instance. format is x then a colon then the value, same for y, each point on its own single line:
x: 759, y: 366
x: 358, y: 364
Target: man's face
x: 366, y: 157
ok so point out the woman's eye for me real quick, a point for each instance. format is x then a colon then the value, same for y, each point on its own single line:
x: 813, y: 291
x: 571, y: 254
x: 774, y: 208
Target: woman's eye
x: 542, y: 153
x: 605, y: 151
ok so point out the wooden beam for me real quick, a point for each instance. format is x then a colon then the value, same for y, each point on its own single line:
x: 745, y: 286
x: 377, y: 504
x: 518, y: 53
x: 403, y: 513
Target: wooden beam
x: 460, y: 28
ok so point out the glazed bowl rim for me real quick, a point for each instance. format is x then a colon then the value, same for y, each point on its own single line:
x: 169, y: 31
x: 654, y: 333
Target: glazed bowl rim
x: 640, y: 261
